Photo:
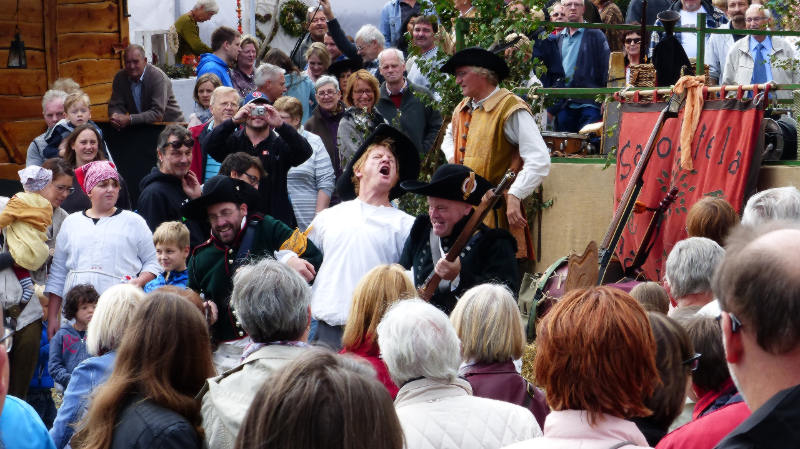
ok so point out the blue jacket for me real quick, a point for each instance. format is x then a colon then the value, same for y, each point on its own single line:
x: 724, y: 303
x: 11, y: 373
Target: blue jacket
x: 591, y: 67
x: 67, y: 350
x: 89, y: 375
x: 41, y: 376
x: 21, y: 427
x: 177, y: 278
x: 211, y: 63
x: 391, y: 22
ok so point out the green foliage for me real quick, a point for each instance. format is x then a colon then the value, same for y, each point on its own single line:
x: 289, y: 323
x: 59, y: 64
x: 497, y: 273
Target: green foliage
x: 177, y: 71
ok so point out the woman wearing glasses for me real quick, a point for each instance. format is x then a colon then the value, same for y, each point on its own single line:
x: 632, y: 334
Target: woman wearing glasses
x: 632, y: 43
x: 360, y: 117
x: 82, y: 146
x: 325, y: 119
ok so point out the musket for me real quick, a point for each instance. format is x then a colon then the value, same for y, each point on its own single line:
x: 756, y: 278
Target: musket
x: 648, y: 240
x: 305, y: 33
x: 489, y: 200
x: 625, y: 206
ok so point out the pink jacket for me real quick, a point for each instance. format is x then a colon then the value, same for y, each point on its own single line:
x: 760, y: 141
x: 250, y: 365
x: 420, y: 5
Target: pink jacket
x: 570, y: 429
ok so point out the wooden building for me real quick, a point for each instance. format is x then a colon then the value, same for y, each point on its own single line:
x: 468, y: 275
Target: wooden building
x: 78, y: 39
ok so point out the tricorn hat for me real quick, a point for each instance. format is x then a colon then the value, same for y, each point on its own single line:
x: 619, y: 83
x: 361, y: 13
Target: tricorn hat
x: 222, y: 189
x: 477, y: 57
x: 405, y: 151
x: 452, y: 182
x: 339, y: 67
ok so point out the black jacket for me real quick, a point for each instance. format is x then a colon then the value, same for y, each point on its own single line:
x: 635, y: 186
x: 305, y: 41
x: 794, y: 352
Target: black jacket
x: 490, y: 257
x: 143, y: 424
x: 161, y: 199
x: 279, y: 152
x: 776, y: 424
x: 420, y: 122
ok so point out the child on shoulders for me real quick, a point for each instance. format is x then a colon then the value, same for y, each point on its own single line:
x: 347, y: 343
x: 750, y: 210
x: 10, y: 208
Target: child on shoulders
x: 77, y: 109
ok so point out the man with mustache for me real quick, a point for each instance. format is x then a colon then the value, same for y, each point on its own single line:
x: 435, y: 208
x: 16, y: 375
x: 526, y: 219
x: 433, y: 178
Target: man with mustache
x: 170, y: 183
x: 239, y: 233
x: 719, y: 45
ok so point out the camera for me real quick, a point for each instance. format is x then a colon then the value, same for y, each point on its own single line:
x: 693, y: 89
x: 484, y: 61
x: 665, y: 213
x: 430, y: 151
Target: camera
x: 259, y: 110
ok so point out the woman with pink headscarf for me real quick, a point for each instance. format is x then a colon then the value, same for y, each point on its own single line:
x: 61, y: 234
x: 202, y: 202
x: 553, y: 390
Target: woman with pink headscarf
x: 101, y: 246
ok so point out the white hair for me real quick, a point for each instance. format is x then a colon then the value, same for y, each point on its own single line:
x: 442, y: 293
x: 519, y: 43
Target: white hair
x: 271, y: 301
x: 691, y: 265
x: 391, y: 51
x: 765, y: 11
x: 267, y: 72
x: 370, y: 33
x: 52, y: 95
x: 207, y: 5
x: 418, y: 340
x: 779, y: 203
x: 113, y: 313
x: 324, y: 80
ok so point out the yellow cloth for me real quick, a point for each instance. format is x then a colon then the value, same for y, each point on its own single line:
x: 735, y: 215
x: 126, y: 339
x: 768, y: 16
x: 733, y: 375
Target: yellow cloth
x: 25, y: 219
x: 693, y: 85
x: 297, y: 242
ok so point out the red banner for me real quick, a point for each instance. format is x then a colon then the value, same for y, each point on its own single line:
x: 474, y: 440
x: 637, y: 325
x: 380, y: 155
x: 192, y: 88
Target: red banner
x: 725, y: 162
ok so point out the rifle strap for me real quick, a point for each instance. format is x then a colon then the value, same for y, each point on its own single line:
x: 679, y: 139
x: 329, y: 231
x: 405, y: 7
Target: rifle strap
x: 437, y: 253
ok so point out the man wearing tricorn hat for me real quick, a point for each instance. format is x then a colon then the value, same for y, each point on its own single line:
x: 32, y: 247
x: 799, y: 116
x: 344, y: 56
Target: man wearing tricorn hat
x: 364, y: 230
x: 493, y: 130
x: 489, y: 254
x: 238, y: 233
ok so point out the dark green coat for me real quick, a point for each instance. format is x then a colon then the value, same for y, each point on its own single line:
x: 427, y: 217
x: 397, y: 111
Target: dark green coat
x: 211, y: 268
x: 490, y: 257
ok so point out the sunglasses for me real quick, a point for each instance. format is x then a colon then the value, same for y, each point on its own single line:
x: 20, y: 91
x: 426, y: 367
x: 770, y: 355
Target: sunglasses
x: 735, y: 323
x: 177, y: 144
x: 633, y: 41
x: 254, y: 181
x: 693, y: 362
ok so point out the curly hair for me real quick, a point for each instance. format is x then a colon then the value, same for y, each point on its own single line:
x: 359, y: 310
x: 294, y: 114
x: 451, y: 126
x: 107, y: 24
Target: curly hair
x: 78, y: 296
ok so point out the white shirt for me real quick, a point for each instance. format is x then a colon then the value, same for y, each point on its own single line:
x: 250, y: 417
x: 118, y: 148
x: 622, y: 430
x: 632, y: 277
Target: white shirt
x: 520, y: 129
x: 354, y: 237
x: 689, y: 40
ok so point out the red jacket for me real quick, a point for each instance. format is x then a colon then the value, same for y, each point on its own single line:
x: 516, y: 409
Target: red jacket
x: 371, y: 353
x: 706, y: 431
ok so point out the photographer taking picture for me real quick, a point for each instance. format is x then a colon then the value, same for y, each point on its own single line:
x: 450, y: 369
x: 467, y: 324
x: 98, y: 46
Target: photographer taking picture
x: 265, y: 136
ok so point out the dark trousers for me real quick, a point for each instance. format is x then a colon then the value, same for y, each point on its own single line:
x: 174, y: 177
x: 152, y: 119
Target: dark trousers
x: 571, y: 120
x: 323, y: 334
x: 41, y: 399
x: 23, y: 357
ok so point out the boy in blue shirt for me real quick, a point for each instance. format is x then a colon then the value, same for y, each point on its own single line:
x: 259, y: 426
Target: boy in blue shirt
x: 171, y: 239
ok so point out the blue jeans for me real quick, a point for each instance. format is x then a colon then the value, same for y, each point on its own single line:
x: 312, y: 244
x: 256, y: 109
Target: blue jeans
x: 571, y: 119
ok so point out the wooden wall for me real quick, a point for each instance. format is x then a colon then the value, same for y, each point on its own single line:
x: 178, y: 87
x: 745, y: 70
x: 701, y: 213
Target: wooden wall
x: 78, y: 39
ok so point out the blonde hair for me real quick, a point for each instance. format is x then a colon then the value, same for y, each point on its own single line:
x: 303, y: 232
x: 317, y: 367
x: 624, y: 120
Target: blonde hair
x: 320, y: 50
x: 114, y: 310
x: 289, y: 105
x: 387, y: 143
x: 249, y: 39
x: 487, y: 321
x: 67, y: 85
x: 223, y: 90
x: 378, y: 289
x: 171, y: 233
x: 74, y: 98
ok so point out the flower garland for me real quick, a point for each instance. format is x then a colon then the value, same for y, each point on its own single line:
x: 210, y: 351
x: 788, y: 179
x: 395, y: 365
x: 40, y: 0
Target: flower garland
x: 239, y: 14
x: 293, y: 17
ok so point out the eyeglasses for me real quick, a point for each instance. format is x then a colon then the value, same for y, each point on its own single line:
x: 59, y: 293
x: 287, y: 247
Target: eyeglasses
x: 633, y: 41
x: 62, y: 189
x: 693, y: 362
x: 735, y: 323
x: 177, y: 144
x: 8, y: 338
x: 358, y: 93
x: 326, y: 93
x: 252, y: 180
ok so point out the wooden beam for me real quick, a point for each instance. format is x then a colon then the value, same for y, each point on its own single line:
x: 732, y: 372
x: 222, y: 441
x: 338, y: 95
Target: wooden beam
x: 23, y: 82
x: 17, y: 108
x: 51, y: 40
x: 75, y: 46
x: 30, y: 12
x: 102, y: 17
x: 90, y: 71
x: 30, y: 33
x: 22, y: 132
x: 98, y: 93
x: 99, y: 112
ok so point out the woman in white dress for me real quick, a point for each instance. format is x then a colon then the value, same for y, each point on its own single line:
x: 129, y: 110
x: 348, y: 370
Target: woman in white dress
x: 101, y: 246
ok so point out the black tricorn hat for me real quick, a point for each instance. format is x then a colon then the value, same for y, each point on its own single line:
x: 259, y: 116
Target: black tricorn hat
x: 478, y: 57
x: 452, y: 182
x: 405, y: 151
x: 339, y: 67
x: 222, y: 189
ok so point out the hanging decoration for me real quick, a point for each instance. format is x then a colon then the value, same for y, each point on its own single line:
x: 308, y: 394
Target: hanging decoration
x: 239, y: 14
x: 293, y: 18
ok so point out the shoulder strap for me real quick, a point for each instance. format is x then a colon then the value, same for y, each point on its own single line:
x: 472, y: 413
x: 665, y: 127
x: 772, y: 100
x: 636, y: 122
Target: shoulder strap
x: 621, y: 444
x: 247, y: 243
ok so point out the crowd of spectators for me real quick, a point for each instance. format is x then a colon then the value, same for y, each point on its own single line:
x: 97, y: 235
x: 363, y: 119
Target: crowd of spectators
x: 262, y: 289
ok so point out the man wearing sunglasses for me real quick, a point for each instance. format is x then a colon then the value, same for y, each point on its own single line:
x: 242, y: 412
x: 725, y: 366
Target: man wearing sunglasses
x: 20, y: 425
x: 170, y: 184
x: 758, y: 287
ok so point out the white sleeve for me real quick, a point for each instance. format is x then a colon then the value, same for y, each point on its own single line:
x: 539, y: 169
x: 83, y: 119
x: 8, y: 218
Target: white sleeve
x: 146, y: 250
x: 448, y: 145
x: 58, y: 270
x: 520, y: 129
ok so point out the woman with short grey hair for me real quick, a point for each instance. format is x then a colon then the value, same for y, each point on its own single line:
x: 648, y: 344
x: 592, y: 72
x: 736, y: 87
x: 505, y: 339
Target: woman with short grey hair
x: 325, y: 119
x: 423, y: 353
x: 271, y: 302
